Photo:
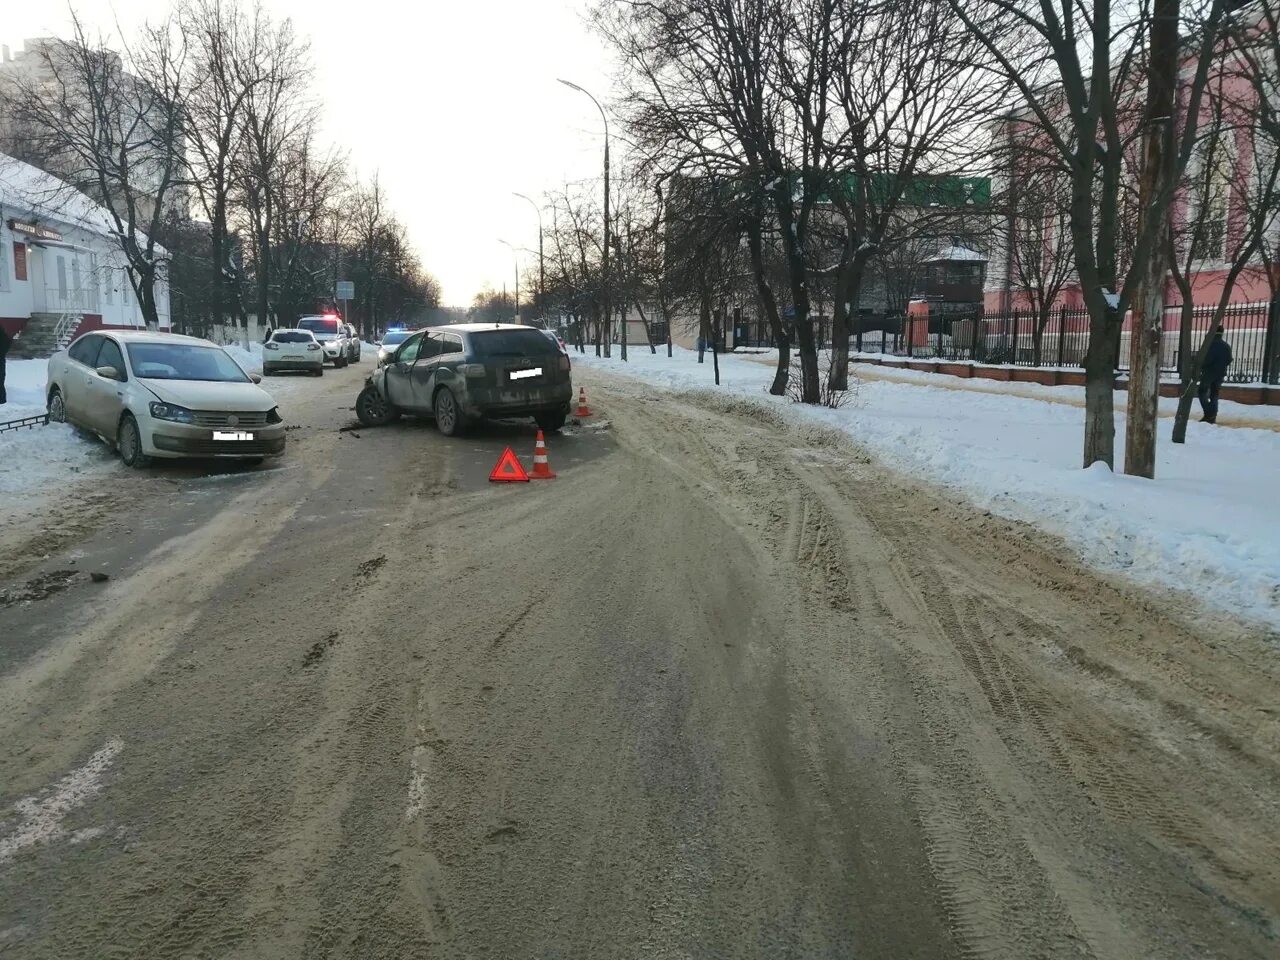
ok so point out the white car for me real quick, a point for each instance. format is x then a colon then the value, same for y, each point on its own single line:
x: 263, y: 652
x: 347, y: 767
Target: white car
x: 337, y: 338
x: 292, y: 350
x: 163, y: 395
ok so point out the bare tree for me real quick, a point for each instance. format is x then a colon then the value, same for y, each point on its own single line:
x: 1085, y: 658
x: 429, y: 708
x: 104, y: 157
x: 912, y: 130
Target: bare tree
x: 116, y: 133
x: 228, y: 46
x: 1077, y: 67
x: 276, y: 112
x: 909, y: 94
x: 1231, y: 189
x: 1040, y: 253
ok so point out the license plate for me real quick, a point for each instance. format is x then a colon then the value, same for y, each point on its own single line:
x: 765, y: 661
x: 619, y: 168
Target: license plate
x: 525, y: 374
x: 231, y: 435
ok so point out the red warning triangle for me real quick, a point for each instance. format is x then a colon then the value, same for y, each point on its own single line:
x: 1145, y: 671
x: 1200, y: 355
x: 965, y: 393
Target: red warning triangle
x: 508, y: 469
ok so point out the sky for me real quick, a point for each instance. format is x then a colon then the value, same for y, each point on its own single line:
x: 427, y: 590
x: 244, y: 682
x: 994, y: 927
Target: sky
x: 454, y: 103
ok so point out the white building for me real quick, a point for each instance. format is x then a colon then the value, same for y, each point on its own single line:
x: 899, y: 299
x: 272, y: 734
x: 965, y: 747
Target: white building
x: 62, y: 271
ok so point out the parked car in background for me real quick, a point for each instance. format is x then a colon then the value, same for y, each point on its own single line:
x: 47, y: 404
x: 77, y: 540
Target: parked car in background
x: 292, y: 350
x: 163, y: 395
x: 390, y: 340
x: 353, y: 344
x: 464, y: 372
x: 333, y: 335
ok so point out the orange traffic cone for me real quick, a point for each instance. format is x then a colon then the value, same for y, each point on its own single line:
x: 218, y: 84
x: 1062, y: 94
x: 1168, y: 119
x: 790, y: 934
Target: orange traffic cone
x: 582, y: 403
x: 541, y: 469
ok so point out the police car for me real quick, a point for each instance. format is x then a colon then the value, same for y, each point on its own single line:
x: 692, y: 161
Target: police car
x: 390, y: 340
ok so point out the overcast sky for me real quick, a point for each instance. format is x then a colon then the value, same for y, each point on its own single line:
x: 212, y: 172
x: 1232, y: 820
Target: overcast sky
x: 454, y: 103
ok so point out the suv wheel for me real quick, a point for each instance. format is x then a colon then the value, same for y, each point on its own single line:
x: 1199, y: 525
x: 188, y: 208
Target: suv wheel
x: 449, y: 418
x: 372, y: 410
x: 339, y: 362
x: 550, y: 422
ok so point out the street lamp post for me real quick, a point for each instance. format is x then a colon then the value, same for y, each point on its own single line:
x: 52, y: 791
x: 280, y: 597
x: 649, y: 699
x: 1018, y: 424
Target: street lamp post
x: 607, y: 305
x: 542, y: 265
x: 516, y: 261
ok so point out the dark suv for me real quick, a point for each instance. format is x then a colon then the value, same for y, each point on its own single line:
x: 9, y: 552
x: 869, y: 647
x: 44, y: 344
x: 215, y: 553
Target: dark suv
x: 467, y: 371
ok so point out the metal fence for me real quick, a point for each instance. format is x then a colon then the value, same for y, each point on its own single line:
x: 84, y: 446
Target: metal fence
x: 1063, y: 339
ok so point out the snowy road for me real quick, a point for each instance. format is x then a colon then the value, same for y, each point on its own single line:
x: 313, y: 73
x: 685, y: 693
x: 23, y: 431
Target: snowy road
x: 723, y: 689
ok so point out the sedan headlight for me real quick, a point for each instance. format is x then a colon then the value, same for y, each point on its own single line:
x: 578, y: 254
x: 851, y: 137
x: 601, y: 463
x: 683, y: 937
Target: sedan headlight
x: 273, y: 415
x: 170, y: 411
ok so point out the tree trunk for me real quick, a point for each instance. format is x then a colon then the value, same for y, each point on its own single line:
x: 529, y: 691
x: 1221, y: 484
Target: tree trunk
x: 648, y: 335
x: 770, y: 306
x: 704, y: 317
x: 1159, y: 174
x: 1188, y: 365
x: 1099, y: 401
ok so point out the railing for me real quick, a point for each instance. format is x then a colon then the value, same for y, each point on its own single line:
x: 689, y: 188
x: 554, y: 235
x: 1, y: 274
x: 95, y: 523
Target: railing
x: 24, y: 423
x: 71, y: 300
x: 1062, y: 339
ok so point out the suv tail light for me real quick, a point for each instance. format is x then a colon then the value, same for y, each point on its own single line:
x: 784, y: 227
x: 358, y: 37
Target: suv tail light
x: 313, y: 346
x: 564, y: 362
x: 271, y: 346
x: 472, y: 369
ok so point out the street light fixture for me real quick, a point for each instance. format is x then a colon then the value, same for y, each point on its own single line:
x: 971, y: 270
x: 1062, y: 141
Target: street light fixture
x: 542, y: 268
x: 516, y: 261
x: 607, y: 305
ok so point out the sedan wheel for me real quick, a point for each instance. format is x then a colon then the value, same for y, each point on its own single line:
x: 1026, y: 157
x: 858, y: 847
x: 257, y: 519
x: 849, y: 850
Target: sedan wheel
x: 57, y: 407
x: 129, y: 443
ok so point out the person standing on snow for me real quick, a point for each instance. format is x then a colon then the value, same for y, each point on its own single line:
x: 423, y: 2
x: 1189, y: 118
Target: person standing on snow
x: 1213, y: 373
x: 5, y: 342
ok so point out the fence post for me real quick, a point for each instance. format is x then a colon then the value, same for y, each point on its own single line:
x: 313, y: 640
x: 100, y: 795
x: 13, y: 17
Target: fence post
x: 1013, y: 350
x: 973, y: 346
x: 1062, y: 333
x: 938, y: 352
x: 1269, y: 372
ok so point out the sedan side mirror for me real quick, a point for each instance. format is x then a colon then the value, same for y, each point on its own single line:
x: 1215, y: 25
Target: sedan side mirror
x: 108, y: 373
x: 256, y: 378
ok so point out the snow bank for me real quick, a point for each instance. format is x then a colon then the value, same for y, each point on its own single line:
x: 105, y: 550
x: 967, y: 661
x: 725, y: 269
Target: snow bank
x: 1208, y: 524
x: 42, y: 457
x: 1064, y: 393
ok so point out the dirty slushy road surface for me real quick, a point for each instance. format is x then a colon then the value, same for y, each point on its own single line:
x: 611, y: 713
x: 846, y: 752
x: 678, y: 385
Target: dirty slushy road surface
x: 720, y: 690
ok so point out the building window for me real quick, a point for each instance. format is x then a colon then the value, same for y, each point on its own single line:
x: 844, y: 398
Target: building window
x: 1209, y: 203
x: 62, y: 278
x: 4, y: 265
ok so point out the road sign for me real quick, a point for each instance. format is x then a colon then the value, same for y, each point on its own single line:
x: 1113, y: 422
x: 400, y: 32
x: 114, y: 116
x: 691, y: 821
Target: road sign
x: 346, y: 290
x: 508, y: 469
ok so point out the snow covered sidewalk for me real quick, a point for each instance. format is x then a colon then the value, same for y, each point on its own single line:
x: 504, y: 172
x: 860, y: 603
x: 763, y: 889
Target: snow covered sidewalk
x: 43, y: 457
x: 1209, y: 523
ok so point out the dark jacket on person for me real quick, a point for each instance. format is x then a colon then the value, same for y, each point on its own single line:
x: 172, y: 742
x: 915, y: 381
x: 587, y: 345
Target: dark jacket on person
x: 1217, y: 359
x: 5, y: 342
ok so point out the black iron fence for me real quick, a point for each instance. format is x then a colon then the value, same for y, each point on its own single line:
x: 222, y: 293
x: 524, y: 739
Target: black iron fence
x: 1062, y: 339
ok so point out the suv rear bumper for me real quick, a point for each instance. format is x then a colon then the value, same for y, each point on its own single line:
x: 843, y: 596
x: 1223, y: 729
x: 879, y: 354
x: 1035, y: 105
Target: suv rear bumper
x: 484, y: 403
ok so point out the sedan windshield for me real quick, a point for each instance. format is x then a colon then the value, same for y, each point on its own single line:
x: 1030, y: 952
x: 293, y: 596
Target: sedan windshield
x: 513, y: 343
x: 182, y: 361
x: 392, y: 337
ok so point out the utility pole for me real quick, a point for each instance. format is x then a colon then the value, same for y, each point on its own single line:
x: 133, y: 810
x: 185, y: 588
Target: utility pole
x: 542, y: 263
x: 607, y: 319
x: 1158, y: 176
x: 516, y: 261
